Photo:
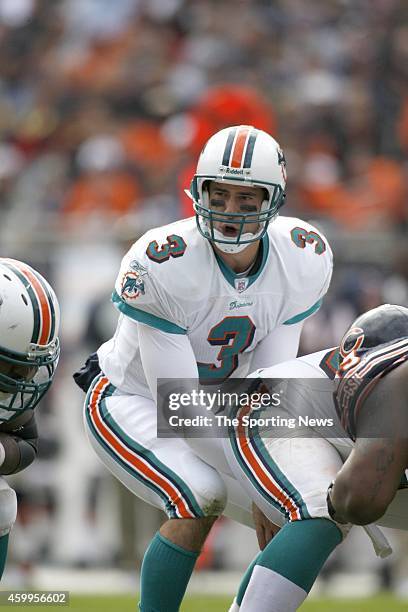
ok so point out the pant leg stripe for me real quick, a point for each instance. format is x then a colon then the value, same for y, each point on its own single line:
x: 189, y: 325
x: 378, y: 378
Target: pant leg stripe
x: 170, y: 511
x: 151, y: 459
x: 260, y: 477
x: 279, y: 477
x: 272, y: 499
x: 136, y: 464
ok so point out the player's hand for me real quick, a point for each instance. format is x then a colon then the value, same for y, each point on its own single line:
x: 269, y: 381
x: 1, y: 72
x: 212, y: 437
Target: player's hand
x: 265, y: 530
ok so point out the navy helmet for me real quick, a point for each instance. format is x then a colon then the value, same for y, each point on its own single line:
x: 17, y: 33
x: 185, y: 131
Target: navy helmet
x: 375, y: 327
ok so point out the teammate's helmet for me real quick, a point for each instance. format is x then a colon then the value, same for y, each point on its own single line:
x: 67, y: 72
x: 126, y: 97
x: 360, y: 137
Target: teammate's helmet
x: 377, y: 326
x: 29, y: 347
x: 239, y: 155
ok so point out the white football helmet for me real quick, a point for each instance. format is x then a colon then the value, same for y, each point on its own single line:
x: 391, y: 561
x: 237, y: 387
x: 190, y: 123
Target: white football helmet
x: 29, y: 346
x: 239, y: 155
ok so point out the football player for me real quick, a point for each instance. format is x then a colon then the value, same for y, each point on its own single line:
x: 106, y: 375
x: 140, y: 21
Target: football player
x: 287, y: 477
x: 211, y: 297
x: 29, y: 351
x: 371, y: 400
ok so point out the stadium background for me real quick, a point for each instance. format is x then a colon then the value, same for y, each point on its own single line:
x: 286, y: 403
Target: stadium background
x: 104, y: 107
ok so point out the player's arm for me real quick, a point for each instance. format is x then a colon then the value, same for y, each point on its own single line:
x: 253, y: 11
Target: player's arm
x: 165, y: 355
x: 369, y: 479
x: 316, y: 263
x: 280, y: 345
x: 18, y: 443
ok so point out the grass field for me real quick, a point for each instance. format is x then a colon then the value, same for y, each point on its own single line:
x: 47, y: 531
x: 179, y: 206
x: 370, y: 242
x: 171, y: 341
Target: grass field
x: 382, y: 603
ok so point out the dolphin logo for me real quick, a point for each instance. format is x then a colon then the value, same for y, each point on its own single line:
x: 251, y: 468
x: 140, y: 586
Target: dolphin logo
x: 132, y: 285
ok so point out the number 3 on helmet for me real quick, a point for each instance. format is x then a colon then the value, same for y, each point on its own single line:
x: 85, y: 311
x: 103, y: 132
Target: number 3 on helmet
x: 239, y: 155
x: 29, y: 346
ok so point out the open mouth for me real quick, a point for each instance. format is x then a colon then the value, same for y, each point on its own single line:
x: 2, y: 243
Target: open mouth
x: 230, y: 231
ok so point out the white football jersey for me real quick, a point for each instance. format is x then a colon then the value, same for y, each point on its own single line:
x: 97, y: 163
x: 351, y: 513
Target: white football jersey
x: 173, y: 280
x: 310, y: 392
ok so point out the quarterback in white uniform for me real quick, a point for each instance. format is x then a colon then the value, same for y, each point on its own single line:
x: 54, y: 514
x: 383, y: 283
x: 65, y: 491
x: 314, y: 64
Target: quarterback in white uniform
x: 287, y: 477
x: 209, y: 297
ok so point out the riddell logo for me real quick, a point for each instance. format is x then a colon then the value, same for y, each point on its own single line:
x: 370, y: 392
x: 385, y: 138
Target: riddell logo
x: 231, y: 170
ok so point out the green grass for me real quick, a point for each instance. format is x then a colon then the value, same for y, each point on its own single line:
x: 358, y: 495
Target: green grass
x: 383, y: 603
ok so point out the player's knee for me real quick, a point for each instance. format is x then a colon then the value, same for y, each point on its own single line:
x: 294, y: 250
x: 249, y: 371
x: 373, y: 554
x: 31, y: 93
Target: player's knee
x: 8, y: 509
x: 211, y: 497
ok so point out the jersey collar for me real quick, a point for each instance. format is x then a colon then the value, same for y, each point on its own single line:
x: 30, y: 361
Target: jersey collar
x: 231, y: 277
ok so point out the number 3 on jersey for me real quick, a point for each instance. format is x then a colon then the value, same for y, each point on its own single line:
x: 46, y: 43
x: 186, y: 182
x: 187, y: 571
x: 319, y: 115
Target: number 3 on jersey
x: 174, y: 247
x: 301, y: 237
x: 234, y: 335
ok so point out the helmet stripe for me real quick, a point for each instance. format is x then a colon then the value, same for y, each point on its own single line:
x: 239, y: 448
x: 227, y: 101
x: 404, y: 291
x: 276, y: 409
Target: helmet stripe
x: 32, y: 296
x: 239, y: 146
x: 51, y: 307
x: 250, y: 149
x: 41, y: 299
x: 228, y: 147
x: 44, y: 306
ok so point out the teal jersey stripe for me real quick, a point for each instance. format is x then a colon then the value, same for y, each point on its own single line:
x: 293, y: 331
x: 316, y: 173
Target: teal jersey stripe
x: 230, y: 275
x: 146, y: 317
x: 305, y: 314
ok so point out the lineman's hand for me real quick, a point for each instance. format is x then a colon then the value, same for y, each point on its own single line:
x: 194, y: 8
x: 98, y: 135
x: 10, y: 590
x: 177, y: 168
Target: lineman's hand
x: 265, y: 530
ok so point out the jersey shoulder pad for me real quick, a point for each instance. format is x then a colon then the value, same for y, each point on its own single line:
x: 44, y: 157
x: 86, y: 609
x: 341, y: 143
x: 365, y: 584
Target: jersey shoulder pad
x: 156, y: 273
x: 307, y: 262
x: 302, y: 243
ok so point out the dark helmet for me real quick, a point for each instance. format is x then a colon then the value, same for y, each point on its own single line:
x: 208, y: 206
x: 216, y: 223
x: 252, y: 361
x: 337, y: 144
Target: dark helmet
x: 377, y: 326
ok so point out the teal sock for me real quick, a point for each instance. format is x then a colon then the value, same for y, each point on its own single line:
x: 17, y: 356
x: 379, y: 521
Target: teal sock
x: 166, y: 570
x: 300, y: 549
x: 246, y: 578
x: 3, y: 552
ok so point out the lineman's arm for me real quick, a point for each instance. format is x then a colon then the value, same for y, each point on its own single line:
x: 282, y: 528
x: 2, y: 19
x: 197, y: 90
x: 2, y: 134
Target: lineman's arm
x: 280, y: 345
x: 18, y: 443
x: 369, y: 479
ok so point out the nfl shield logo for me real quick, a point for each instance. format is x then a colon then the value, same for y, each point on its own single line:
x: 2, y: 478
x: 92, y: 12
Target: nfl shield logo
x: 241, y: 284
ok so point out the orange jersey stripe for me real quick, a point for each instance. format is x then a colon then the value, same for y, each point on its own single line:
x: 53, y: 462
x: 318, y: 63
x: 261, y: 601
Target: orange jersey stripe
x: 238, y: 151
x: 264, y: 478
x: 129, y: 456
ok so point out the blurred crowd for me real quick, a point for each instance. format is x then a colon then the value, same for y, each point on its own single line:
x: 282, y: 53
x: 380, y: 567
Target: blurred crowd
x: 104, y: 108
